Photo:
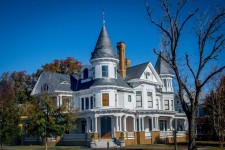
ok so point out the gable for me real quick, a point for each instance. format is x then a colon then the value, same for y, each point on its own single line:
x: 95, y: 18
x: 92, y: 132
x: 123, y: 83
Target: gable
x: 150, y: 74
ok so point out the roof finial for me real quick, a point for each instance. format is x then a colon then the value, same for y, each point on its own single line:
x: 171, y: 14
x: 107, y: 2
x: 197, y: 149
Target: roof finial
x: 103, y: 17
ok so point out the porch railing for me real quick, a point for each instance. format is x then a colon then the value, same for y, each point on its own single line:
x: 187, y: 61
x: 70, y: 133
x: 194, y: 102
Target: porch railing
x: 130, y: 135
x: 166, y: 133
x: 148, y: 135
x: 181, y: 133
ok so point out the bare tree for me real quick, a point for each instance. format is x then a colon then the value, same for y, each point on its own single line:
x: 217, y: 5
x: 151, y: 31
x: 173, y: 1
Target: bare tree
x: 215, y: 109
x: 210, y: 39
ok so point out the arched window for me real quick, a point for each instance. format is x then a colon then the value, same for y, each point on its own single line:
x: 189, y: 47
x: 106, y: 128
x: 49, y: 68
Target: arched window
x: 85, y: 73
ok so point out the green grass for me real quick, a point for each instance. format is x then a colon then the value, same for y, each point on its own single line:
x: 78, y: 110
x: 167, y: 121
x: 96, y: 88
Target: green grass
x: 42, y: 148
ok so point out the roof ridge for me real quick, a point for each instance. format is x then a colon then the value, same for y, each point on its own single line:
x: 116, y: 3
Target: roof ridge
x: 139, y: 64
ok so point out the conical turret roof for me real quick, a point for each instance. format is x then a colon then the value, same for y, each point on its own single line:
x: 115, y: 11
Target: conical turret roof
x: 162, y: 67
x: 103, y: 46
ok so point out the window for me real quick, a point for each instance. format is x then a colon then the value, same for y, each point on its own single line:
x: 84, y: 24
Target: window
x: 138, y: 99
x: 115, y: 100
x: 44, y: 87
x: 93, y: 69
x: 164, y: 81
x: 85, y: 73
x: 87, y: 102
x: 105, y: 99
x: 104, y: 71
x: 129, y: 98
x: 82, y: 103
x: 157, y: 104
x: 179, y: 110
x: 115, y: 72
x: 166, y: 104
x: 171, y: 104
x: 147, y: 74
x: 92, y: 103
x: 149, y: 97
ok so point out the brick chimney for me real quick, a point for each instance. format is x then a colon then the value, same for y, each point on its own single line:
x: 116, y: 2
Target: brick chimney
x: 124, y: 63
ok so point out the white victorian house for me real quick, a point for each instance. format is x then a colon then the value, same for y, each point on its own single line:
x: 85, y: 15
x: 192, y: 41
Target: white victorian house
x: 114, y: 97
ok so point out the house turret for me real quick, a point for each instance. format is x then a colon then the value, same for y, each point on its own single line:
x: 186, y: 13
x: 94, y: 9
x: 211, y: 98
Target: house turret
x: 165, y: 72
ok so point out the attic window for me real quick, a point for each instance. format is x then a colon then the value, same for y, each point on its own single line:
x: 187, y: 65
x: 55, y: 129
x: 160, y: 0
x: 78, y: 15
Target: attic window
x: 44, y: 87
x: 147, y: 74
x: 64, y: 82
x: 85, y: 73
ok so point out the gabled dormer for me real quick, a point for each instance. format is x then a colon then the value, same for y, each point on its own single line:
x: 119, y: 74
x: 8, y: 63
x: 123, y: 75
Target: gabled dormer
x: 143, y: 73
x: 166, y: 74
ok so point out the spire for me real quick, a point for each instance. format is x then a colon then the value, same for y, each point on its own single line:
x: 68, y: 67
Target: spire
x: 103, y: 46
x: 161, y: 66
x: 103, y: 17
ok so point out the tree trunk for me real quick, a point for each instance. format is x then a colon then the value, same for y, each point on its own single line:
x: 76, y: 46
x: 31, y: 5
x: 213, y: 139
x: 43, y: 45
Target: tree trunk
x: 221, y: 139
x: 191, y: 133
x: 45, y: 143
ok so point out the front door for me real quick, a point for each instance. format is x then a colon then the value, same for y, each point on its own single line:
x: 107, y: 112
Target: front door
x: 105, y: 127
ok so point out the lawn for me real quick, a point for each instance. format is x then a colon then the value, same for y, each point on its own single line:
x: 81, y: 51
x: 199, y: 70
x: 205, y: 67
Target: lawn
x: 42, y: 148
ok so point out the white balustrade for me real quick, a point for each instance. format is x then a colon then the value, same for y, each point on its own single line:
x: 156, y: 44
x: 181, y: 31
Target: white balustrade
x: 148, y: 135
x: 181, y: 133
x: 166, y: 133
x: 130, y: 135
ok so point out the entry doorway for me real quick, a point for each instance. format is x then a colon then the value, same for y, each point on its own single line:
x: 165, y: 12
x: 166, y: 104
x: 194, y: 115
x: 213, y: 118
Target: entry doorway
x: 106, y: 127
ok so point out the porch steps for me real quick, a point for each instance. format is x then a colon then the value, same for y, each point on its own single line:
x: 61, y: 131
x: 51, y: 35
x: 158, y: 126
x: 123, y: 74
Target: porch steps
x: 102, y: 143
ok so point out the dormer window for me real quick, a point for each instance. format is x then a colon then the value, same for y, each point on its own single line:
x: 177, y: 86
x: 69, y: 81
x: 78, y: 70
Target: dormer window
x: 85, y: 73
x: 147, y: 74
x: 105, y: 71
x: 44, y: 87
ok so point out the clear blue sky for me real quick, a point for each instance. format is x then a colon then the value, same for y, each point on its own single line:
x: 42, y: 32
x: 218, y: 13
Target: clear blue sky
x: 35, y: 32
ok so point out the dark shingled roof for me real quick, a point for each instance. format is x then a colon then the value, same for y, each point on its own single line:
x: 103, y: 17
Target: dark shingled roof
x: 135, y: 72
x: 103, y: 81
x: 56, y: 81
x: 162, y: 67
x: 103, y: 46
x: 64, y: 82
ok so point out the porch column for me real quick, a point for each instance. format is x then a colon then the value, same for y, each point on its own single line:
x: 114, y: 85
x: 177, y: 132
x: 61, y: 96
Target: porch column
x: 134, y: 121
x: 125, y: 123
x: 171, y: 121
x: 92, y: 124
x: 156, y: 124
x: 120, y: 125
x: 117, y: 122
x: 89, y: 102
x: 185, y: 124
x: 152, y: 123
x: 139, y: 123
x: 142, y: 119
x: 87, y: 127
x: 60, y: 100
x: 96, y: 123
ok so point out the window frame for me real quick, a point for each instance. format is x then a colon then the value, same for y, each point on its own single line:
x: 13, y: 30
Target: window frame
x: 157, y: 104
x: 166, y: 105
x: 105, y: 73
x: 140, y: 101
x: 82, y: 103
x: 87, y: 103
x: 105, y: 102
x: 129, y: 98
x: 150, y: 101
